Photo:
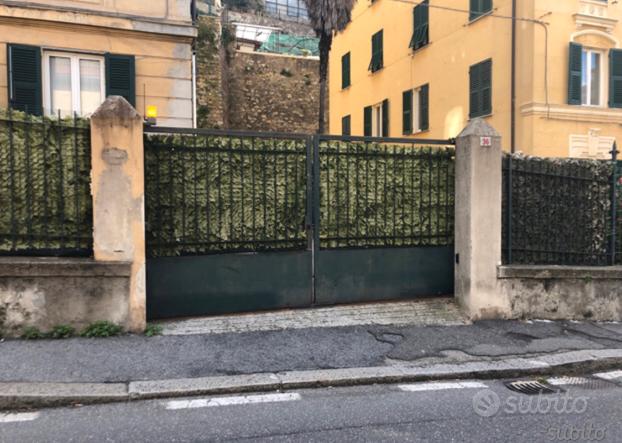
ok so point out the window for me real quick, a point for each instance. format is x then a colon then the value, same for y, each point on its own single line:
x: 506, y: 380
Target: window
x: 376, y: 120
x: 376, y: 52
x: 479, y: 8
x: 73, y: 83
x: 415, y: 110
x: 345, y: 71
x: 586, y: 77
x: 420, y: 25
x: 591, y: 76
x: 480, y: 89
x: 346, y: 125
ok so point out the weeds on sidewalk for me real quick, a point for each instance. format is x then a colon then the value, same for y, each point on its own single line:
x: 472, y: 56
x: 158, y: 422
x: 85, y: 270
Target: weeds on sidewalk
x: 152, y: 330
x: 101, y: 329
x: 62, y: 331
x: 32, y: 333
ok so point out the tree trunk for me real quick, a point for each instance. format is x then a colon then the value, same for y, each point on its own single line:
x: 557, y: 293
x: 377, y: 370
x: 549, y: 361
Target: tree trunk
x: 325, y: 44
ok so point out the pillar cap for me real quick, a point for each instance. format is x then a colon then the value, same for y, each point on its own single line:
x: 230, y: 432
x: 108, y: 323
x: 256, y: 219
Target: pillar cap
x: 116, y: 107
x: 480, y: 128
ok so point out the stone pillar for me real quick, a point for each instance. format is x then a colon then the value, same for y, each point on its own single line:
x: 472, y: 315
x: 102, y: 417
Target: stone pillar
x: 478, y: 222
x: 117, y: 187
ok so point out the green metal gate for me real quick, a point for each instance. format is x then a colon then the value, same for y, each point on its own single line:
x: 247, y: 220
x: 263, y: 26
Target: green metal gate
x: 242, y: 221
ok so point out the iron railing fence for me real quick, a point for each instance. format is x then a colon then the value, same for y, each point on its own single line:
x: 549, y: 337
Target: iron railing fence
x: 210, y: 192
x: 560, y: 212
x: 213, y: 192
x: 385, y: 192
x: 616, y: 233
x: 45, y: 166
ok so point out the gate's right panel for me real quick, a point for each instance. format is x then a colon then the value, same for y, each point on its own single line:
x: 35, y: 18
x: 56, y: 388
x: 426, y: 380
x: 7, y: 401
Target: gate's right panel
x: 385, y: 221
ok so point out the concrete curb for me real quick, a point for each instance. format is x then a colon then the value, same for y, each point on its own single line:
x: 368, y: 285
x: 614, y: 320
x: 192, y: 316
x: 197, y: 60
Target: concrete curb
x: 37, y: 395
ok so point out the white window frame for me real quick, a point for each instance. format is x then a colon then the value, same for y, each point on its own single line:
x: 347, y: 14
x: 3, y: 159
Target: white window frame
x: 416, y: 110
x: 603, y: 79
x: 75, y: 78
x: 376, y: 120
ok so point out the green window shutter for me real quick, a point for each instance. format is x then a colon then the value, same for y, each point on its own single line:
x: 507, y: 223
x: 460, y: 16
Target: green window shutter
x: 480, y: 89
x: 24, y: 66
x: 121, y: 77
x: 615, y: 78
x: 474, y: 9
x: 345, y: 71
x: 474, y: 88
x: 486, y: 93
x: 376, y: 52
x: 407, y: 112
x: 420, y: 26
x: 345, y: 126
x: 385, y: 118
x: 367, y: 121
x: 478, y: 8
x: 424, y: 108
x: 574, y: 74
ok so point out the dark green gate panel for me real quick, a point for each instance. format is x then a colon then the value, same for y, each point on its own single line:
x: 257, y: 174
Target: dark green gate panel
x: 227, y: 283
x: 361, y: 275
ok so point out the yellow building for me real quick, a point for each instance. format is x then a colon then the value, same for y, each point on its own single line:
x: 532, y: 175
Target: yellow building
x: 424, y: 68
x: 68, y: 55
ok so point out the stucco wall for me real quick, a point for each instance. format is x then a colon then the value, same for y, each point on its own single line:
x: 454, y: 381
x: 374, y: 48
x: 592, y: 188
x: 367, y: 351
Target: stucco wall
x: 46, y: 292
x: 156, y: 9
x: 269, y: 92
x: 455, y: 45
x: 163, y: 59
x: 563, y: 292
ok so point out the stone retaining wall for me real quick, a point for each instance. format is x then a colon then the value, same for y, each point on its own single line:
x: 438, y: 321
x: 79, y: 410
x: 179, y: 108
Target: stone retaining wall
x: 563, y: 292
x: 46, y: 292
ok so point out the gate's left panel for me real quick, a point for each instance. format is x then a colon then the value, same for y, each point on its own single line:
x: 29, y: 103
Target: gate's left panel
x: 226, y: 228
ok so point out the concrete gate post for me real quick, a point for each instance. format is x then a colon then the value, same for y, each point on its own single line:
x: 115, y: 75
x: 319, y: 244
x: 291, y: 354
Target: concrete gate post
x: 478, y: 222
x: 117, y: 188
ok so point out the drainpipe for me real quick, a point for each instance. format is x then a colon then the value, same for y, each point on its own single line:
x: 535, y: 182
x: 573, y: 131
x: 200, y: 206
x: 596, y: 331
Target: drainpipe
x: 513, y: 86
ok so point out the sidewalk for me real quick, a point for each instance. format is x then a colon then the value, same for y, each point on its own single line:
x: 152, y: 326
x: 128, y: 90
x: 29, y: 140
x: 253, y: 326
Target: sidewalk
x: 87, y: 370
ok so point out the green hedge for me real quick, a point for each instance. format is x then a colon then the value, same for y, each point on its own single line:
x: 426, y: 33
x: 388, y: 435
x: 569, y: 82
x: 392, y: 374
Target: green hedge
x: 561, y: 211
x: 44, y: 185
x: 208, y: 194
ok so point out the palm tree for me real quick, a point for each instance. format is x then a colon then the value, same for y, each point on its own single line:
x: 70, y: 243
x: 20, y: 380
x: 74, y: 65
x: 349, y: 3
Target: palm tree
x: 327, y: 17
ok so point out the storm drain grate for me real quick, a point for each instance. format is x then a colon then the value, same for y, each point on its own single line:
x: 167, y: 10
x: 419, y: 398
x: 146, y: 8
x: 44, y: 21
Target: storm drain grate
x: 531, y: 387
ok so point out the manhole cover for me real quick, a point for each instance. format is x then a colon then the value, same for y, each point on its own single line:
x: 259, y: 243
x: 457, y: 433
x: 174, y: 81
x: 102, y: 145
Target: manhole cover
x: 531, y: 387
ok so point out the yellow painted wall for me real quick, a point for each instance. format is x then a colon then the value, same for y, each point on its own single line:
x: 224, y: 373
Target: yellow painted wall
x: 163, y: 61
x: 455, y: 45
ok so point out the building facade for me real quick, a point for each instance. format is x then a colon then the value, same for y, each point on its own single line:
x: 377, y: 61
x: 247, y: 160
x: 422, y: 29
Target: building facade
x: 67, y: 55
x: 424, y: 68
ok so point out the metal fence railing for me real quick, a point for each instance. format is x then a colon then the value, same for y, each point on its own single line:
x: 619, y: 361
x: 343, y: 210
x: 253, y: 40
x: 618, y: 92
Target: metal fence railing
x: 211, y: 192
x: 561, y: 211
x: 45, y: 166
x: 385, y: 193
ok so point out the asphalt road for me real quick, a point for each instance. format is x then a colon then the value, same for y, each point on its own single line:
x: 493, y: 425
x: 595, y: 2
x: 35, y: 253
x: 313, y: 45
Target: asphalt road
x: 471, y: 411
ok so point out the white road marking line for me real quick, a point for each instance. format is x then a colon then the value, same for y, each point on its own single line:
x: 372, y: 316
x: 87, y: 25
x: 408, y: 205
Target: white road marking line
x: 440, y: 386
x: 563, y: 381
x: 17, y: 417
x: 611, y: 375
x: 229, y: 401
